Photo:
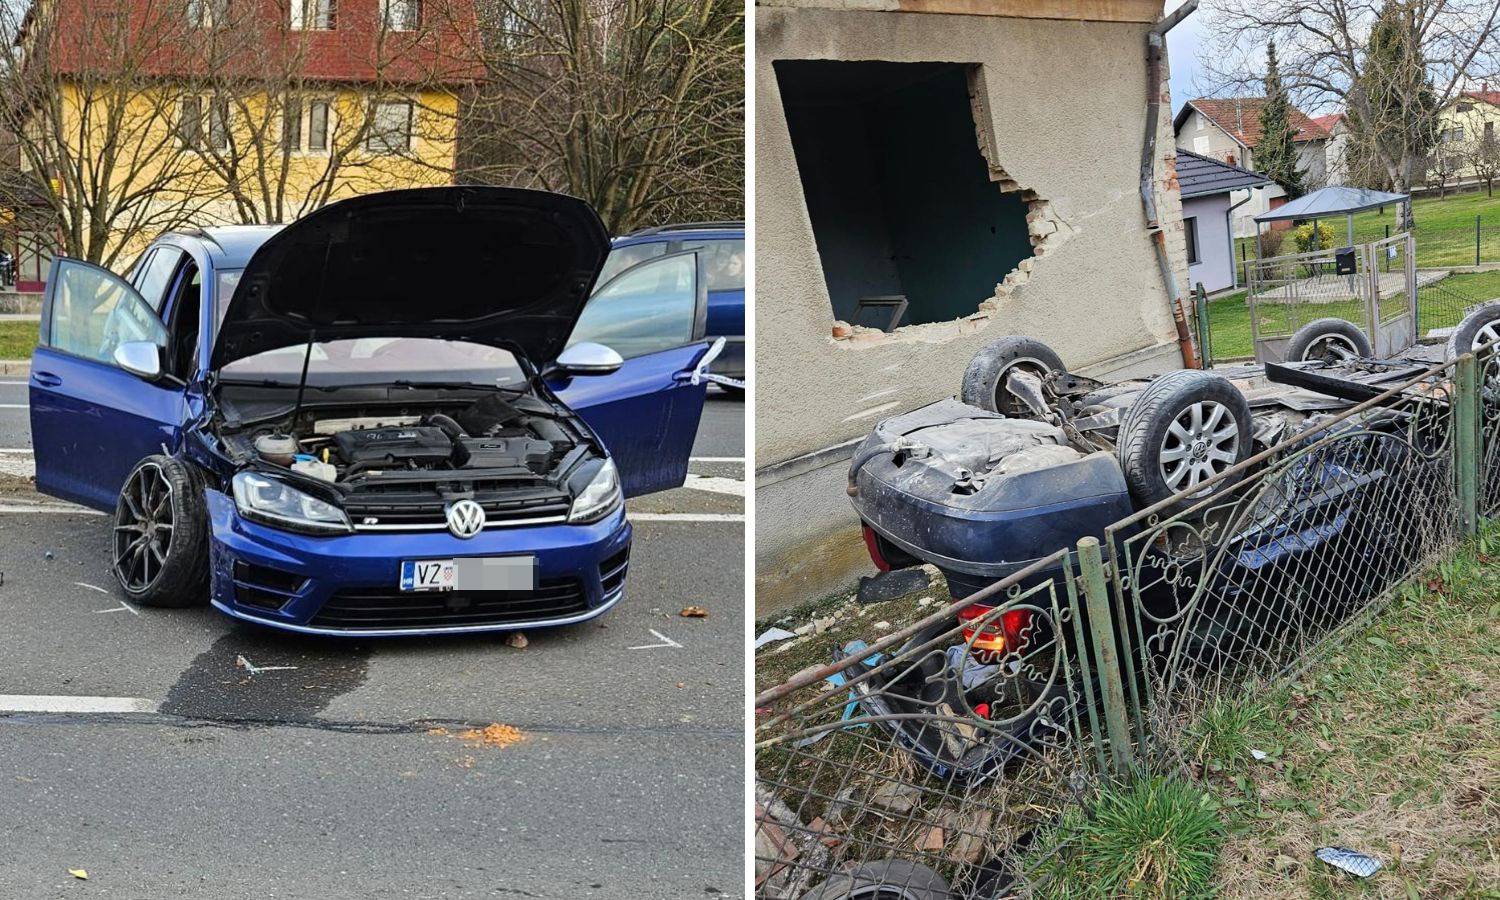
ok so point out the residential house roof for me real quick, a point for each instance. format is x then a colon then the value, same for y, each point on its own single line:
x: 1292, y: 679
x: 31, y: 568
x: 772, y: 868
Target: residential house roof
x: 1328, y: 122
x: 1239, y: 117
x: 1200, y: 176
x: 1483, y: 96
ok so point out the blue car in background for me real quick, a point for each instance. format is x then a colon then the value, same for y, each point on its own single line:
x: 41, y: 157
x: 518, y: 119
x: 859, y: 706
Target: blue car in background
x: 723, y: 247
x: 412, y: 412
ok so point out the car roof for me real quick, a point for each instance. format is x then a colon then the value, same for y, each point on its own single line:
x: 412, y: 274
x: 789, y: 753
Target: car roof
x: 229, y: 246
x: 709, y: 230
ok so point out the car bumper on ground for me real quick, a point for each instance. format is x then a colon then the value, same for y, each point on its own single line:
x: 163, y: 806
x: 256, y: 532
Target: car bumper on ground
x: 349, y: 584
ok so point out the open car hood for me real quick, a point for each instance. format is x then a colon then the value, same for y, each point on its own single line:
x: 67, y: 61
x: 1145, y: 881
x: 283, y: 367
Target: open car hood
x: 492, y: 265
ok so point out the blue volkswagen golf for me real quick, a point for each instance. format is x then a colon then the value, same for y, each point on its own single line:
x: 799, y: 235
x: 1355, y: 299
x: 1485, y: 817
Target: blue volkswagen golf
x: 408, y: 412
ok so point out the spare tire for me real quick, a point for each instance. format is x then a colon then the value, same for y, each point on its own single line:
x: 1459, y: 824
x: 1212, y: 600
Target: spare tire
x: 1478, y: 328
x: 984, y: 379
x: 1184, y: 428
x: 1333, y: 340
x: 161, y: 534
x: 892, y: 879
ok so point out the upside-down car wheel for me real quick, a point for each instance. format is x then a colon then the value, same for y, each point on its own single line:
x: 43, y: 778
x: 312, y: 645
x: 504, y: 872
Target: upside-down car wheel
x: 160, y: 538
x: 984, y: 379
x: 1328, y: 340
x: 1185, y: 428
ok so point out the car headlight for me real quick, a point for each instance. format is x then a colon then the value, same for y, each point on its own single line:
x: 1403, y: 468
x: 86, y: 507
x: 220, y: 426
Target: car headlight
x: 600, y: 497
x: 274, y: 502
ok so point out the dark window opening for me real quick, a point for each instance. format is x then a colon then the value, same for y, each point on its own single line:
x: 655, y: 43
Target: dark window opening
x: 1190, y: 229
x: 900, y: 196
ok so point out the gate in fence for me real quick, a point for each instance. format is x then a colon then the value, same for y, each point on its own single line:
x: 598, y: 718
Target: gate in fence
x: 1373, y: 285
x: 939, y: 760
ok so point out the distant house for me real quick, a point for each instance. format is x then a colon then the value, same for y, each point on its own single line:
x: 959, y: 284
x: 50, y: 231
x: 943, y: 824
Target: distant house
x: 1469, y: 120
x: 1335, y: 152
x: 1227, y: 130
x: 1207, y: 186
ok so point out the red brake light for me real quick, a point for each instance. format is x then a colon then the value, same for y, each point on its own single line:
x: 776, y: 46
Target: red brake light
x: 988, y: 642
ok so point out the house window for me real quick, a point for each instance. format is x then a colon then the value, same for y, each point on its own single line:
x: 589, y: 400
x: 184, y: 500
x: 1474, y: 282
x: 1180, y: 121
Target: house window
x: 312, y: 14
x: 1489, y: 132
x: 1200, y: 146
x: 317, y: 126
x: 291, y: 126
x: 1190, y: 230
x: 390, y: 128
x: 190, y: 122
x: 897, y: 189
x: 401, y: 15
x: 208, y: 13
x: 218, y: 124
x: 1454, y: 135
x: 1465, y: 107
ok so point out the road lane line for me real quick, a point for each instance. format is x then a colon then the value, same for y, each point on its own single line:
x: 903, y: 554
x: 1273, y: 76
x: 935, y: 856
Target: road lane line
x: 15, y: 406
x: 717, y: 459
x: 715, y: 484
x: 678, y: 517
x: 62, y: 509
x: 41, y: 703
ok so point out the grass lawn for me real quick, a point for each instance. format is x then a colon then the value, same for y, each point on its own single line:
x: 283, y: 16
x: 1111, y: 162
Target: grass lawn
x: 1440, y: 306
x: 1445, y: 229
x: 1390, y: 746
x: 17, y: 339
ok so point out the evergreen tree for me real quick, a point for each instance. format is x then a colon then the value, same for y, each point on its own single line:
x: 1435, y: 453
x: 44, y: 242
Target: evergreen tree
x: 1400, y: 124
x: 1276, y: 151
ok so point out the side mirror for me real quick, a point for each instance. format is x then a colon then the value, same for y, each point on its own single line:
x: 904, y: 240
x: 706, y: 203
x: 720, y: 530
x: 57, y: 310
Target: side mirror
x: 141, y: 358
x: 588, y: 358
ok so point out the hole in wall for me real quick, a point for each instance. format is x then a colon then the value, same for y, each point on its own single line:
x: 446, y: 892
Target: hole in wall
x: 915, y: 222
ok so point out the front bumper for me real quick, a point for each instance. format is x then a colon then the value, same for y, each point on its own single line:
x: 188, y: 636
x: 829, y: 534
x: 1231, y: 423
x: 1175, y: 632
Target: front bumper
x: 348, y: 584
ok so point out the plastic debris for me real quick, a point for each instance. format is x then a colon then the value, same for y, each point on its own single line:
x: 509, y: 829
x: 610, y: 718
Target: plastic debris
x: 1351, y: 861
x: 891, y: 585
x: 1260, y: 756
x: 80, y: 874
x: 772, y: 635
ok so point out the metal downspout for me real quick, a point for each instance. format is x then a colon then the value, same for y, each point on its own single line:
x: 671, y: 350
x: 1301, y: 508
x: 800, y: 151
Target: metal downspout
x: 1155, y: 47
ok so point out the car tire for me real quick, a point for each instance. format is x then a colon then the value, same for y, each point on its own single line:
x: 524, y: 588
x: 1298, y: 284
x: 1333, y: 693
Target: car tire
x: 1334, y: 340
x: 1165, y: 446
x: 156, y: 565
x: 983, y: 383
x: 1480, y: 326
x: 892, y: 879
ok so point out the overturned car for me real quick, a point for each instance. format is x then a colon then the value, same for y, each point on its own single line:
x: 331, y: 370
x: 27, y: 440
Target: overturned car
x: 1030, y: 458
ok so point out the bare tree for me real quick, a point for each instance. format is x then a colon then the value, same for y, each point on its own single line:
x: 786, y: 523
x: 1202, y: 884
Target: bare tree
x: 95, y: 161
x: 634, y: 105
x: 1389, y: 63
x: 283, y: 141
x: 1480, y: 148
x: 1443, y: 165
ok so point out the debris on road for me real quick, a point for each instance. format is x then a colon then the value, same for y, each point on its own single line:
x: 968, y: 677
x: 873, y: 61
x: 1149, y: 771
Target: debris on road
x: 517, y: 640
x: 80, y: 874
x: 892, y: 585
x: 494, y: 735
x: 1351, y: 861
x: 694, y: 612
x: 772, y: 635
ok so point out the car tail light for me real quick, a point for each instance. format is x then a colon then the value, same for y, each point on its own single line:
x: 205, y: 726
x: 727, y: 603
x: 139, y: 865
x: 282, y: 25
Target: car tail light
x: 872, y: 543
x: 990, y: 640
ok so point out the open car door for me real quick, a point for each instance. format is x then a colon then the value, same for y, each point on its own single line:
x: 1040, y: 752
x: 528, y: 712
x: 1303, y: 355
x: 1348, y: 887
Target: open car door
x: 92, y: 420
x: 653, y: 315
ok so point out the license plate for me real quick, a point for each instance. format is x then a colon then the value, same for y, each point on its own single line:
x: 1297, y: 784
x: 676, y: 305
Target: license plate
x: 499, y: 573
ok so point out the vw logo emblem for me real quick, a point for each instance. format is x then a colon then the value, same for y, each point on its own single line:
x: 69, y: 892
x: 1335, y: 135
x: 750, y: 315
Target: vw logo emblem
x: 465, y: 518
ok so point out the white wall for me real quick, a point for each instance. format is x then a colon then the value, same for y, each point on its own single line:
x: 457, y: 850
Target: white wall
x: 1215, y: 267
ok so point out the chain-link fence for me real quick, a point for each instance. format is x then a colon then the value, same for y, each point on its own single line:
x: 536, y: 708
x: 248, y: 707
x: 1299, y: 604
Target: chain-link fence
x: 923, y: 764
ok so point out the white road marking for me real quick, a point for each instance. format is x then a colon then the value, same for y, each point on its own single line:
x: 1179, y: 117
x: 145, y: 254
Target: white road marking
x: 92, y: 587
x: 57, y: 508
x: 665, y: 642
x: 23, y: 450
x: 679, y: 517
x: 123, y: 607
x: 702, y: 459
x: 872, y: 411
x: 878, y: 394
x: 15, y: 406
x: 39, y: 703
x: 715, y: 484
x: 253, y: 669
x: 17, y: 466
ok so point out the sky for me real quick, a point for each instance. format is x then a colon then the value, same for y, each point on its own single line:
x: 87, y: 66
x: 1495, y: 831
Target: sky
x: 1183, y: 43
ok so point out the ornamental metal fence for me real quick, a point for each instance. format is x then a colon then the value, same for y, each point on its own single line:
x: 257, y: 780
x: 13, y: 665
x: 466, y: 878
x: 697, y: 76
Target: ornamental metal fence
x: 925, y: 763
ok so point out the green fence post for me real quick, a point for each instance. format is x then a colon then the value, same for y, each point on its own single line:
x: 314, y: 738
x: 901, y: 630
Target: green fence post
x: 1466, y: 442
x: 1106, y: 651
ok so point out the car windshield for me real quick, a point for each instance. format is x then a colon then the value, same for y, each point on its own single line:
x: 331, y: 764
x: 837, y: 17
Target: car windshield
x: 373, y: 360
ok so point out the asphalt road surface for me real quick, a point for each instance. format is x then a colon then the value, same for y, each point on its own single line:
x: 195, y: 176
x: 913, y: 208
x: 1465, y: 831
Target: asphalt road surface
x: 260, y: 765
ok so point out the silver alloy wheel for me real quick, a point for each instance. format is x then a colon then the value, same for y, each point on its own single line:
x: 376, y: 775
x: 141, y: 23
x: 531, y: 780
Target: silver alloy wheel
x: 1200, y: 443
x: 1488, y: 333
x: 143, y: 528
x: 1333, y: 347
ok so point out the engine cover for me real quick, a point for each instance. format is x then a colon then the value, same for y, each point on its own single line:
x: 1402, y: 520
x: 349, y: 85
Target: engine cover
x: 423, y: 445
x: 503, y: 452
